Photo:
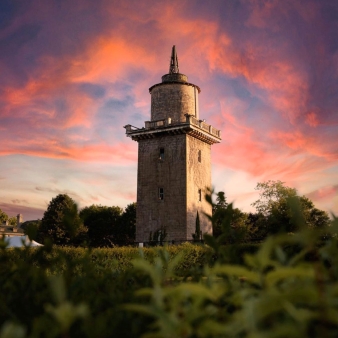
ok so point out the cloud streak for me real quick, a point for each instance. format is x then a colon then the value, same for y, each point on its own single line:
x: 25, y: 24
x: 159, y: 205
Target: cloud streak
x: 73, y: 75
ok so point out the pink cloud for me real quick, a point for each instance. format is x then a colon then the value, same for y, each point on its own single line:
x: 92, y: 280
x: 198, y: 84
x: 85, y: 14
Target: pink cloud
x: 27, y: 212
x: 271, y: 14
x: 285, y: 86
x: 312, y: 119
x: 119, y: 152
x: 325, y: 193
x: 128, y: 51
x: 273, y: 154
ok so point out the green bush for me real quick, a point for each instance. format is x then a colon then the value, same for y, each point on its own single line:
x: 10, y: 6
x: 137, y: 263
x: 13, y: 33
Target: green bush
x: 285, y: 287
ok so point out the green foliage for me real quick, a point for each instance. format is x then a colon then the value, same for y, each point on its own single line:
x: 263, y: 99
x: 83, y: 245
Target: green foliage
x: 3, y: 217
x: 101, y: 222
x: 239, y: 226
x: 50, y: 292
x: 31, y: 228
x: 284, y: 287
x: 273, y: 294
x: 276, y: 213
x: 94, y: 226
x: 273, y: 196
x: 126, y: 229
x: 12, y: 221
x: 61, y: 223
x: 218, y: 210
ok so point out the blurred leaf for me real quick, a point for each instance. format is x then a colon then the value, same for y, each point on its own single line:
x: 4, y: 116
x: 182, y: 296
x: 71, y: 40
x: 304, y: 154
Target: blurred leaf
x: 12, y: 330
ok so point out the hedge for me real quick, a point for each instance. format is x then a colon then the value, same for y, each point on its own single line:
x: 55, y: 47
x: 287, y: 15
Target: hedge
x: 286, y: 286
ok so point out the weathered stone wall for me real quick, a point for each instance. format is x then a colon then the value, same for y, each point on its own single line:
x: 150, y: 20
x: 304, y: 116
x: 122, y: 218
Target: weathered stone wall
x: 198, y: 178
x: 174, y: 101
x: 181, y: 176
x: 169, y: 174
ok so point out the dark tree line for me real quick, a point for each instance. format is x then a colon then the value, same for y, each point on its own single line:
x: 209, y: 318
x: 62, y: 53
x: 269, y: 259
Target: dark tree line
x: 93, y: 226
x: 279, y: 209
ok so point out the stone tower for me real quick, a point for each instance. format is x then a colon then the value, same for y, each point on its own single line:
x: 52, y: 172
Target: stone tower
x: 174, y: 160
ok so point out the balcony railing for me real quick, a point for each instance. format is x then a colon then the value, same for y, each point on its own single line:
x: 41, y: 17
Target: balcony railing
x: 201, y: 124
x: 190, y: 119
x: 158, y: 123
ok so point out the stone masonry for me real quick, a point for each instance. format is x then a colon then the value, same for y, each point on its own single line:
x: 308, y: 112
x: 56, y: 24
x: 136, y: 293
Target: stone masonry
x: 174, y: 160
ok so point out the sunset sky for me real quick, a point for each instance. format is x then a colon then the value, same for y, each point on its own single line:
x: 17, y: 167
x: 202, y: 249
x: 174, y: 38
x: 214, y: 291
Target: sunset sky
x: 73, y: 73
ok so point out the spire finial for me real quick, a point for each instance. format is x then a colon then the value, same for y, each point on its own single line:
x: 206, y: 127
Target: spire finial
x: 173, y: 69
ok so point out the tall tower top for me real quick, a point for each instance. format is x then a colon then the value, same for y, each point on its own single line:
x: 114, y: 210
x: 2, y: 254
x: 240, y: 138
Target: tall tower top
x: 174, y: 75
x: 173, y: 69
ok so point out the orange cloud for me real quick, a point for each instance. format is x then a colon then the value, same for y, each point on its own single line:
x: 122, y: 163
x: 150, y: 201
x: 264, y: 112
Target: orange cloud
x: 312, y: 119
x: 327, y: 192
x: 119, y: 152
x: 306, y: 144
x: 285, y: 86
x: 270, y: 154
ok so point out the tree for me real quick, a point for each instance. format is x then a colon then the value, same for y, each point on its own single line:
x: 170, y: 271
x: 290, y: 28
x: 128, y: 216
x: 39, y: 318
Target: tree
x: 13, y: 221
x: 31, y: 228
x: 219, y: 211
x: 3, y: 217
x: 221, y: 201
x: 61, y: 222
x: 126, y: 229
x: 230, y: 223
x: 102, y: 224
x: 281, y: 209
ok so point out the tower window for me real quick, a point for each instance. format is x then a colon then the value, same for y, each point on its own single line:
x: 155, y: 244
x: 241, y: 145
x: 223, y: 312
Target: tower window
x: 160, y: 194
x: 199, y: 195
x: 161, y: 154
x: 199, y: 156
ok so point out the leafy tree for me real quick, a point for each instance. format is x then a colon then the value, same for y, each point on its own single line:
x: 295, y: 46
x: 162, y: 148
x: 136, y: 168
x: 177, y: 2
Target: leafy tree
x: 218, y: 212
x: 256, y: 226
x: 229, y: 224
x: 241, y: 229
x: 3, y: 217
x: 12, y: 221
x: 276, y: 210
x: 221, y: 202
x: 314, y: 218
x: 61, y: 222
x: 238, y: 225
x: 31, y: 228
x: 126, y: 229
x: 102, y: 223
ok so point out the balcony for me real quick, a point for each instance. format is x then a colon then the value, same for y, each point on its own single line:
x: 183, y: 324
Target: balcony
x: 167, y: 123
x: 202, y: 125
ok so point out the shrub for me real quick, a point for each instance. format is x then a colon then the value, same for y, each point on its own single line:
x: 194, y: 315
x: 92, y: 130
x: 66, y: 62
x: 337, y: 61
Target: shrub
x: 286, y: 286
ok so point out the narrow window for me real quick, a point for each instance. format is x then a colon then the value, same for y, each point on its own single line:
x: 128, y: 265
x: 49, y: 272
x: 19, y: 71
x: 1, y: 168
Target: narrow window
x: 160, y: 194
x: 161, y: 153
x: 199, y: 156
x: 200, y: 195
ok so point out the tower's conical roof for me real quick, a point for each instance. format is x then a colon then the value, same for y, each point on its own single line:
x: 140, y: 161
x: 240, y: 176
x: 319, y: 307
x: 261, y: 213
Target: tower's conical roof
x: 173, y: 69
x: 174, y: 76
